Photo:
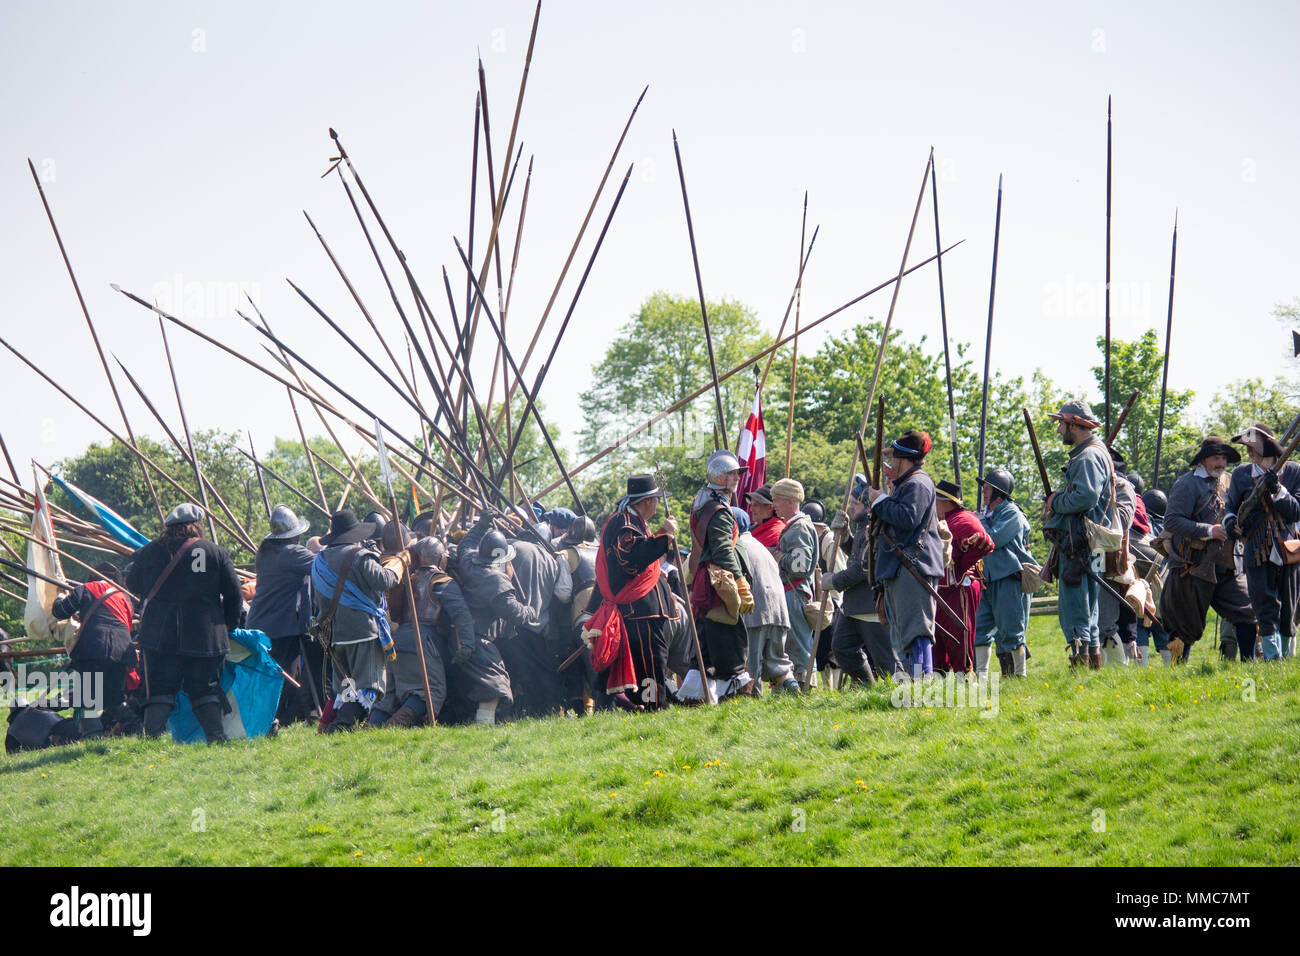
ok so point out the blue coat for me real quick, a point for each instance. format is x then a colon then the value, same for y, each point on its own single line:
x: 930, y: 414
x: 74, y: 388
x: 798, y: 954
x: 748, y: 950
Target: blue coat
x: 282, y: 605
x: 1285, y: 510
x: 1009, y: 529
x: 909, y: 517
x: 1088, y: 486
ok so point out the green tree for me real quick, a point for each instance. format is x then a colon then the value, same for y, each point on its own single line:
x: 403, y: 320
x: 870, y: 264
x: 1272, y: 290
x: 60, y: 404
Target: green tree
x: 1140, y: 366
x: 659, y: 357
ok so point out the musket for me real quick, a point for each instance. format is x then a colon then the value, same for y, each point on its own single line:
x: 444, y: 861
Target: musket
x: 257, y: 467
x: 1119, y: 422
x: 871, y: 397
x: 794, y: 355
x: 699, y: 285
x: 94, y: 337
x: 1038, y: 455
x: 1252, y: 500
x: 943, y: 321
x: 1164, y: 376
x: 185, y: 426
x: 130, y: 446
x: 690, y: 614
x: 906, y: 560
x: 573, y: 304
x: 988, y: 335
x: 757, y: 357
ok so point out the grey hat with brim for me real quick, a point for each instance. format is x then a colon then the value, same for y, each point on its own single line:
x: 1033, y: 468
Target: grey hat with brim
x: 285, y: 524
x: 185, y: 513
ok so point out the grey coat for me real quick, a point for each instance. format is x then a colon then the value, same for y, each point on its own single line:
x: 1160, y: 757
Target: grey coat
x: 282, y: 605
x: 769, y: 594
x: 350, y: 625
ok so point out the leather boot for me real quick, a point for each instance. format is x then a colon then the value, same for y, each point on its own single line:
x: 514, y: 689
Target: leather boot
x: 156, y: 712
x: 1094, y: 660
x: 1004, y: 660
x: 1078, y: 656
x: 208, y: 714
x: 346, y: 717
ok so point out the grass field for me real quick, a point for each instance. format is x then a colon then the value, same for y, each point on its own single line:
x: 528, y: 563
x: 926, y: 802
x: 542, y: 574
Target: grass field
x: 1195, y: 765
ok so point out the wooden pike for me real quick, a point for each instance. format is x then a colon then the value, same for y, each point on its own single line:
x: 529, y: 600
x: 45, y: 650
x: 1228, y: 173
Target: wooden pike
x: 62, y: 556
x: 988, y: 334
x: 573, y: 304
x: 690, y: 616
x: 1164, y: 375
x: 1108, y: 178
x: 943, y: 320
x: 274, y: 474
x: 871, y: 397
x: 257, y: 467
x: 185, y: 426
x: 94, y: 337
x: 573, y: 249
x: 180, y: 448
x: 8, y: 460
x: 758, y: 357
x: 794, y: 355
x: 699, y: 285
x: 1119, y: 422
x: 130, y: 446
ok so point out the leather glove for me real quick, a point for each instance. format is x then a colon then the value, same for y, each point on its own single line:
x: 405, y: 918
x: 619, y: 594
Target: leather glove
x: 839, y: 521
x: 1270, y: 483
x: 1230, y: 526
x: 746, y: 596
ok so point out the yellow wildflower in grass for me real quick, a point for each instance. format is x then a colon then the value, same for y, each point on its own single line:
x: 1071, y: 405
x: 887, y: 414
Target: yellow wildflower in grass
x: 613, y: 793
x: 419, y: 859
x: 836, y: 727
x: 1152, y: 706
x: 357, y: 854
x: 646, y: 783
x: 686, y: 766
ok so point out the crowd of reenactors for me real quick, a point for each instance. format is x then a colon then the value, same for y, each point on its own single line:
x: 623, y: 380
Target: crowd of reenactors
x: 538, y: 612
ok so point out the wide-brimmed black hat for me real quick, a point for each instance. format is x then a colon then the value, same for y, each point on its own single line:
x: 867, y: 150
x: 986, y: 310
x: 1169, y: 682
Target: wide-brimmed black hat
x: 346, y: 529
x: 286, y: 524
x: 1261, y: 440
x: 1214, y: 445
x: 951, y: 491
x: 641, y: 486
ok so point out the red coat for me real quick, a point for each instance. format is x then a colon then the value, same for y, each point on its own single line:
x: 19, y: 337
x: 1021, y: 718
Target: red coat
x: 970, y: 542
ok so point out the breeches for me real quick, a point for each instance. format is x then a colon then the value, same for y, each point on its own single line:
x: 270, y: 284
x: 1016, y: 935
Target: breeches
x: 1003, y: 614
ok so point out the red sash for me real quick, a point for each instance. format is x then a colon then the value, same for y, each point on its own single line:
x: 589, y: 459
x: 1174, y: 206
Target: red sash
x: 610, y: 649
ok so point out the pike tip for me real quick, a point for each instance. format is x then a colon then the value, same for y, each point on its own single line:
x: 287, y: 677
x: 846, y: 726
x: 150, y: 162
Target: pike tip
x: 333, y: 135
x: 115, y: 287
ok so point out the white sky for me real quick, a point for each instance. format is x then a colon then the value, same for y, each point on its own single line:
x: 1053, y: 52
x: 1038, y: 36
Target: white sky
x: 179, y: 142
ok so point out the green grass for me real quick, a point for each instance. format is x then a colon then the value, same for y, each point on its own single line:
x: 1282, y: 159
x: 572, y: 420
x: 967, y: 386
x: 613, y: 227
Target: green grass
x: 1184, y: 770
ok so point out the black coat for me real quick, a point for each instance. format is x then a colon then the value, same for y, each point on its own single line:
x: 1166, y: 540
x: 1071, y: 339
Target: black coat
x: 198, y: 604
x: 630, y: 549
x: 104, y: 636
x: 282, y: 605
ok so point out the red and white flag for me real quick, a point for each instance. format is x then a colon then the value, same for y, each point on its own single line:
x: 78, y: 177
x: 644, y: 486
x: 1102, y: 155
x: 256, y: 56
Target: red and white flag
x: 752, y: 451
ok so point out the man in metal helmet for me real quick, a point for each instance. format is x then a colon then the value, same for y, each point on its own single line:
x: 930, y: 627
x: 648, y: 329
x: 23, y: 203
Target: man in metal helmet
x: 1004, y: 609
x: 720, y: 579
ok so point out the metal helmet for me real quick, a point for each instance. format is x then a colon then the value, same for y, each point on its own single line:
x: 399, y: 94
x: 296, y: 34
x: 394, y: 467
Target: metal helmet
x: 378, y: 520
x: 1136, y: 481
x: 429, y: 552
x: 582, y: 529
x: 423, y: 524
x: 1000, y: 480
x: 1155, y: 501
x: 720, y: 463
x: 494, y: 548
x: 814, y: 509
x: 395, y: 537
